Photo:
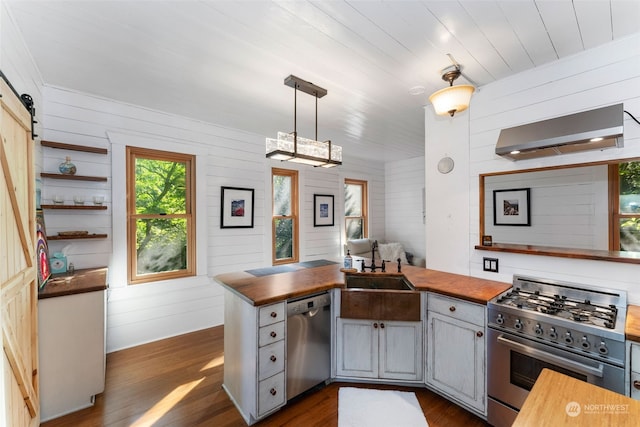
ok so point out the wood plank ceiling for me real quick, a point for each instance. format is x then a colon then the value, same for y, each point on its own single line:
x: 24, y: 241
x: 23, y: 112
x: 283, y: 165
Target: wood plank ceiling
x: 224, y: 62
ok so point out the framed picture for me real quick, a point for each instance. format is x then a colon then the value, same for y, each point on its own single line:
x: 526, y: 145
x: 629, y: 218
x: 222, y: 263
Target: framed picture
x: 512, y: 207
x: 237, y: 208
x: 42, y: 250
x: 322, y: 210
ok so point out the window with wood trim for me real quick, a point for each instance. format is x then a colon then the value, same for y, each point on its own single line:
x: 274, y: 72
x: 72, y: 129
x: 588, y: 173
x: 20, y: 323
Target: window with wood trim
x: 624, y: 181
x: 160, y: 215
x: 285, y: 216
x: 355, y: 209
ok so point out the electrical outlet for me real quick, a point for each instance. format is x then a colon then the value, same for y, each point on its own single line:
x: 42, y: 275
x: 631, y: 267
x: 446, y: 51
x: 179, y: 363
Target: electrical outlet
x: 490, y: 264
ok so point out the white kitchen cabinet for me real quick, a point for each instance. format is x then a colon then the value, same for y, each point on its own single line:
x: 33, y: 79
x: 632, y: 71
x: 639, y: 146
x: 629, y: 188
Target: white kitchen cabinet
x: 456, y: 354
x: 254, y: 359
x: 379, y: 349
x: 72, y: 345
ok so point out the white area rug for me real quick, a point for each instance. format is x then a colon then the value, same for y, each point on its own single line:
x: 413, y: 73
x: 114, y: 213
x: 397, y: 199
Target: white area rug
x: 363, y: 407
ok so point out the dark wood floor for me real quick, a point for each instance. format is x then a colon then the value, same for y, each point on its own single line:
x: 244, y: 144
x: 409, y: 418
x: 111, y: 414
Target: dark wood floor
x: 178, y: 382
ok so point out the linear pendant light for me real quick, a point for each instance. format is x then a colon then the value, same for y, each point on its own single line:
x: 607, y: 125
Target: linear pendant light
x: 292, y: 148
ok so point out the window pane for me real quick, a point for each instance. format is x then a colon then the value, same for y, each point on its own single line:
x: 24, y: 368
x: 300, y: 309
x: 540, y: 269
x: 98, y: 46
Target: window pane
x: 281, y: 195
x: 352, y: 200
x: 630, y: 234
x: 160, y: 187
x: 161, y: 245
x: 354, y: 228
x: 284, y: 238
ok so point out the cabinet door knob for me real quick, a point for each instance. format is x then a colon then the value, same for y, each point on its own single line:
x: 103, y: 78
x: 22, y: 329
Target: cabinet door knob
x: 479, y: 334
x: 636, y: 385
x: 273, y: 392
x: 273, y: 334
x: 381, y: 325
x: 375, y: 326
x: 274, y: 314
x: 452, y: 308
x: 273, y: 358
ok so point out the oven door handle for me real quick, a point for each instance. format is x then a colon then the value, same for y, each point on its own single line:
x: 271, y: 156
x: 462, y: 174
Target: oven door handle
x: 552, y: 358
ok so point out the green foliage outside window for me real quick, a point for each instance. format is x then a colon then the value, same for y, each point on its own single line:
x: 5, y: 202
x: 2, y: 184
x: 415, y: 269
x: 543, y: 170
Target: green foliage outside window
x: 160, y: 189
x: 629, y: 204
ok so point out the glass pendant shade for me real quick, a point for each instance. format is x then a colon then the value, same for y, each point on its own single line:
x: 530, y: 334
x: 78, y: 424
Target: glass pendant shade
x: 290, y: 147
x: 452, y: 99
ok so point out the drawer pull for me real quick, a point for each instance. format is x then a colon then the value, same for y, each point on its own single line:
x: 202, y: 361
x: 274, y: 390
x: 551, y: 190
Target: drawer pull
x: 273, y: 392
x: 273, y: 358
x: 273, y: 334
x: 452, y: 308
x: 479, y: 334
x: 375, y: 326
x: 274, y: 314
x: 636, y: 385
x: 381, y: 325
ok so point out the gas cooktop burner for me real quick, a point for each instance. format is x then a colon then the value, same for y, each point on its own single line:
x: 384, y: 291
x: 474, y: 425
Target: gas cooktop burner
x: 561, y: 306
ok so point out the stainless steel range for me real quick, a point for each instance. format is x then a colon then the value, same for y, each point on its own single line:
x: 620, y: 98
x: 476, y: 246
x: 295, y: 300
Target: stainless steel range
x: 570, y: 328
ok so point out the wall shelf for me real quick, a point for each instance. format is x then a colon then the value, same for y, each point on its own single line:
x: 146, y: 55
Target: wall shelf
x: 77, y: 237
x: 77, y: 207
x: 73, y: 147
x: 73, y: 177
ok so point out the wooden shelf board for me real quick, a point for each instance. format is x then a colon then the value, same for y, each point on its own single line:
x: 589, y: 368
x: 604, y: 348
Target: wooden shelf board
x: 73, y: 177
x: 61, y: 145
x: 75, y: 237
x: 80, y: 207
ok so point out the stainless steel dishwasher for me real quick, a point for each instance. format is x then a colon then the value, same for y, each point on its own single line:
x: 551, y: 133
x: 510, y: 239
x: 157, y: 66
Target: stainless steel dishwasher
x: 308, y: 343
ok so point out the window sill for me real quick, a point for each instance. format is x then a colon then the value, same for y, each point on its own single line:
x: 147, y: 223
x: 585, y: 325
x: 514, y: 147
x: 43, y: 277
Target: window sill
x: 599, y: 255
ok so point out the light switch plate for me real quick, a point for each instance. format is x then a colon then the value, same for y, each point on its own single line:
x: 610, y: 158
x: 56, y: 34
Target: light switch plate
x: 490, y: 264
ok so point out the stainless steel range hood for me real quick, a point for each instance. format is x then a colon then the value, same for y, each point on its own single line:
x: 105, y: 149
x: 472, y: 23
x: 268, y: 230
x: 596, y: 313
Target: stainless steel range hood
x: 562, y: 135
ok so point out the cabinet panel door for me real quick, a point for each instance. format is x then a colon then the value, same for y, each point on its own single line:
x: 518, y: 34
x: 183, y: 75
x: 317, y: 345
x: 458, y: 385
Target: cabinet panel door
x: 357, y: 348
x: 401, y: 350
x: 456, y: 358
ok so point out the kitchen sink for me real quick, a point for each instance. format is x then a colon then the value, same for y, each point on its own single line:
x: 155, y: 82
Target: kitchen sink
x: 375, y: 281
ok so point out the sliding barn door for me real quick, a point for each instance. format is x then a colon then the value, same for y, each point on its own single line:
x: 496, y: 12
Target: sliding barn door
x: 18, y: 279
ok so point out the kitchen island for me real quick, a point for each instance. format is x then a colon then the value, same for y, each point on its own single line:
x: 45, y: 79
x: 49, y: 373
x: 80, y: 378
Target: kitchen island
x: 361, y: 346
x: 559, y: 400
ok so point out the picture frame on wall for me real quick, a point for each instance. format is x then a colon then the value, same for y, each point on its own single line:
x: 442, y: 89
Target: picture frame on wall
x: 236, y: 207
x: 323, y: 210
x: 512, y: 207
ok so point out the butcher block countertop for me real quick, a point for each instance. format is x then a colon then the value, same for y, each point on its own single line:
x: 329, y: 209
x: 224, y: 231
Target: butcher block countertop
x: 632, y: 327
x: 84, y: 280
x: 280, y: 286
x: 559, y: 400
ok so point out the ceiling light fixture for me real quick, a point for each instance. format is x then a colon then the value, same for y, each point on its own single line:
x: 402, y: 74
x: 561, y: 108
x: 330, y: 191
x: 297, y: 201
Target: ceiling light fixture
x: 452, y: 99
x: 289, y: 147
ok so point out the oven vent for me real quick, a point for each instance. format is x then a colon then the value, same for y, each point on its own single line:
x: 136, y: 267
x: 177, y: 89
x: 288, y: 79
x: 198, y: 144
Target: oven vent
x: 590, y: 130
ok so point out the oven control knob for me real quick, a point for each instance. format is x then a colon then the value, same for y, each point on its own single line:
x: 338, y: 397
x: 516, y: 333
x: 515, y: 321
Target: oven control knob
x: 500, y: 319
x: 568, y: 338
x: 602, y: 348
x: 553, y: 334
x: 538, y: 329
x: 518, y: 325
x: 586, y: 345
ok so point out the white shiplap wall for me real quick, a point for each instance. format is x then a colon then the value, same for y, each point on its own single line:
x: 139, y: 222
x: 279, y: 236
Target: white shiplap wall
x: 404, y: 197
x: 602, y: 76
x: 226, y: 157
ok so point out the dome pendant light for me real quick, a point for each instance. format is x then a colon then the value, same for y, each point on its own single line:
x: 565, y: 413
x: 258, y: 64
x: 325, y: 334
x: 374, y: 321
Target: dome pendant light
x: 452, y: 99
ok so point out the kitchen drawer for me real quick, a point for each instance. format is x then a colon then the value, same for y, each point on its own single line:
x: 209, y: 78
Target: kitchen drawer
x: 270, y: 360
x: 271, y: 393
x: 635, y: 357
x: 635, y: 391
x: 456, y: 308
x: 270, y: 334
x: 272, y: 314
